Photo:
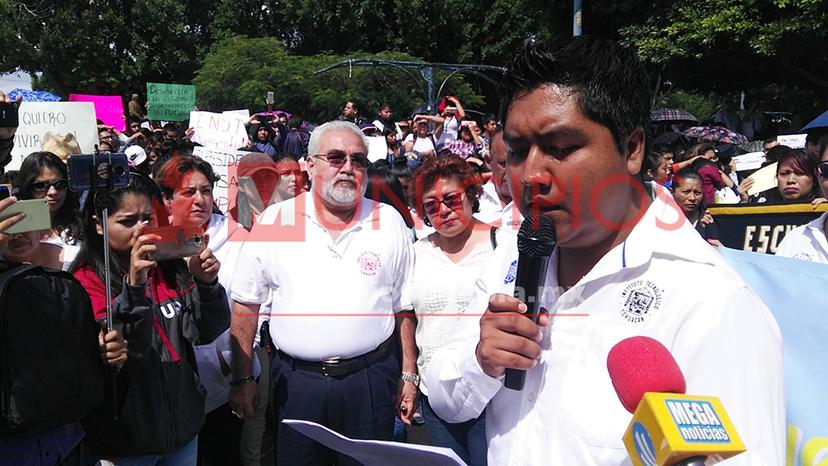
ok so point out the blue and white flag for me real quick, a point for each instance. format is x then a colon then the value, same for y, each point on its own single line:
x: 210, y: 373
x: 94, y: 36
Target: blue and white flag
x: 797, y: 294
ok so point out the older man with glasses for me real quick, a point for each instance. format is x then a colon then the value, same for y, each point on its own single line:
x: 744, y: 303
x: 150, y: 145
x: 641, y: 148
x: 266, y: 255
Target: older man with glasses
x: 337, y: 290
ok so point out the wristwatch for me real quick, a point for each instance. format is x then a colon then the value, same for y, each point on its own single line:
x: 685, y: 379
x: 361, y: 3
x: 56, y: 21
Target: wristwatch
x: 409, y: 377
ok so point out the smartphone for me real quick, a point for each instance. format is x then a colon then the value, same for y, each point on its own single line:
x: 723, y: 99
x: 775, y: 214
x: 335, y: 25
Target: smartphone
x: 177, y: 242
x: 270, y: 98
x: 91, y: 171
x: 37, y: 216
x: 8, y: 115
x: 265, y: 118
x: 5, y: 191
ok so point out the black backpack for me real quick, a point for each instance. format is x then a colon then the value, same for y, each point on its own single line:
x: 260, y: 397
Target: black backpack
x: 50, y: 370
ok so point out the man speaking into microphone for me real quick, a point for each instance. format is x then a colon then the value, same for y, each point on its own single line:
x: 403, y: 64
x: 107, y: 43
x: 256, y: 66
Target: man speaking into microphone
x: 627, y: 263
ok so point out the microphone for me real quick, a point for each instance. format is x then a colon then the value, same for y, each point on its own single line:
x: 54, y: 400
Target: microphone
x: 668, y: 427
x: 535, y: 241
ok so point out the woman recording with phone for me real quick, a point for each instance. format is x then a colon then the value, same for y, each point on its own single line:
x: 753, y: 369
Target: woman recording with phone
x: 162, y: 309
x: 44, y: 176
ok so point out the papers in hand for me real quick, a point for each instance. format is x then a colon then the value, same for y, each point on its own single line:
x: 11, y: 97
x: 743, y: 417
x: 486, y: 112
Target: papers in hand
x: 377, y: 452
x: 763, y: 179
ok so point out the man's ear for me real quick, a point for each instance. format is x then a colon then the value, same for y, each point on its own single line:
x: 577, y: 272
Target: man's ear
x: 98, y: 227
x: 635, y: 151
x: 310, y: 166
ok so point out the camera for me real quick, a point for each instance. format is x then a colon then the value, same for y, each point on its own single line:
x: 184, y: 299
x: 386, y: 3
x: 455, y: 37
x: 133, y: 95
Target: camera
x: 98, y: 171
x: 8, y: 115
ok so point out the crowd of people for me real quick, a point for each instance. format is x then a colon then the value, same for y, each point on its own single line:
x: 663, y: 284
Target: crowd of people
x: 387, y: 299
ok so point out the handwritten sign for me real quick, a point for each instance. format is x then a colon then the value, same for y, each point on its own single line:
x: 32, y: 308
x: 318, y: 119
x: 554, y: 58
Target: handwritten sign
x: 794, y: 141
x: 108, y: 108
x: 170, y: 102
x: 36, y: 118
x: 224, y: 163
x: 749, y: 161
x: 218, y: 131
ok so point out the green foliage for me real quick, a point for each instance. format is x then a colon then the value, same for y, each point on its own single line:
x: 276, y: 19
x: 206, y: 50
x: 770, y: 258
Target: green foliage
x: 240, y: 71
x: 103, y: 46
x: 700, y: 105
x: 731, y: 45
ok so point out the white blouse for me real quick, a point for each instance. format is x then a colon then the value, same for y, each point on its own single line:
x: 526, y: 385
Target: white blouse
x: 441, y: 293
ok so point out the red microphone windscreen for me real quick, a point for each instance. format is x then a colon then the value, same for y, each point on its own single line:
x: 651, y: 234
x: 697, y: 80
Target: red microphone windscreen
x: 641, y: 364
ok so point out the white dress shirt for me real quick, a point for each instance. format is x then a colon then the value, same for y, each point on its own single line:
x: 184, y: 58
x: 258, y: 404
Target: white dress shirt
x: 507, y: 218
x: 806, y: 242
x: 664, y: 282
x: 331, y: 298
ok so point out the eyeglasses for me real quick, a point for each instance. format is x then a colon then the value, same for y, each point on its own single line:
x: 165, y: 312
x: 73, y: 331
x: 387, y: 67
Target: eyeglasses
x: 336, y: 159
x: 43, y: 186
x: 453, y: 201
x: 822, y: 168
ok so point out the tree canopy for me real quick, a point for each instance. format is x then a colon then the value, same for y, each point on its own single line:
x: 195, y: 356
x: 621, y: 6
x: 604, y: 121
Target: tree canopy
x: 768, y: 47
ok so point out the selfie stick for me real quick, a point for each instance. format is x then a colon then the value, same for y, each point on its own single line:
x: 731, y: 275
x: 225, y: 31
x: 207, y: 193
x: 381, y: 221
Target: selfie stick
x: 96, y: 173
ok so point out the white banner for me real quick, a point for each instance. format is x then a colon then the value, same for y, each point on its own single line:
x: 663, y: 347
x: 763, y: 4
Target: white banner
x: 218, y: 131
x: 221, y: 162
x: 36, y: 118
x: 243, y: 115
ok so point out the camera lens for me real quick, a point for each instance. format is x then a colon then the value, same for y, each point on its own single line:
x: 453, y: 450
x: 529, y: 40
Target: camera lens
x: 197, y: 239
x: 119, y: 170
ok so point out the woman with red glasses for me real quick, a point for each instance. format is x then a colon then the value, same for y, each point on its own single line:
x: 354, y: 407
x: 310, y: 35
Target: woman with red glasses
x: 810, y: 241
x: 44, y: 176
x: 446, y: 267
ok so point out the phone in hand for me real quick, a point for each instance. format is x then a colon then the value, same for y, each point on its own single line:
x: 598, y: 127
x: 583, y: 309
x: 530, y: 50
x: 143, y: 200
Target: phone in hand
x: 177, y: 242
x: 270, y: 98
x: 5, y: 191
x: 8, y: 115
x: 37, y: 216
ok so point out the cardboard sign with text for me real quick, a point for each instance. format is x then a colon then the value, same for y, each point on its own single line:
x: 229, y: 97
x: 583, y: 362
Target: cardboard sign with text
x: 36, y: 118
x: 170, y: 102
x: 218, y: 131
x: 108, y: 108
x: 223, y: 163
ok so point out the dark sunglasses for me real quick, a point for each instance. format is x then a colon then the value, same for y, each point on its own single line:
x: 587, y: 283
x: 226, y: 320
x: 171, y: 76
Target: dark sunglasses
x: 453, y: 201
x: 336, y: 159
x: 43, y: 186
x: 822, y: 168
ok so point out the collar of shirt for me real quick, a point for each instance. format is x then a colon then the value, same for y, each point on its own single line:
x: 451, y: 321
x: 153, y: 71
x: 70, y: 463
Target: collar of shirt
x: 306, y: 206
x: 663, y: 230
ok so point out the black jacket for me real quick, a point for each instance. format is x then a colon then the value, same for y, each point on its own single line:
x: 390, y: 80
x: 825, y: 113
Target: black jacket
x: 161, y: 399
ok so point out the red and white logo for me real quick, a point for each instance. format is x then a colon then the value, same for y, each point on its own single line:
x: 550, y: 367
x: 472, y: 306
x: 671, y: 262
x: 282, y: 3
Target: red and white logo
x: 369, y: 263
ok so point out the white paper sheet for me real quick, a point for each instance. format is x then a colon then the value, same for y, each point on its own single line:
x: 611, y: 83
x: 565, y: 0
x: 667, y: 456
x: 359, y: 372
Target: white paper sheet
x: 377, y: 452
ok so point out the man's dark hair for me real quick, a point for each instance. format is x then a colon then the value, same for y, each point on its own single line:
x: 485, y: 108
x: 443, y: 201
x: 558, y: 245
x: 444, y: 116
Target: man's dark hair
x: 294, y: 122
x: 823, y: 145
x: 170, y: 127
x: 612, y: 86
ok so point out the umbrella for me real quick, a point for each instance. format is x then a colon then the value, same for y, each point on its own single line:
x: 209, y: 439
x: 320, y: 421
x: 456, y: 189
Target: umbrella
x: 33, y: 96
x: 669, y: 115
x: 715, y: 134
x: 818, y: 122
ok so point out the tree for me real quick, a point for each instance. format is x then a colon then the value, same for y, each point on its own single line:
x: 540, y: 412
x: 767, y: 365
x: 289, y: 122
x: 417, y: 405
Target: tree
x: 104, y: 46
x: 240, y: 71
x: 727, y: 45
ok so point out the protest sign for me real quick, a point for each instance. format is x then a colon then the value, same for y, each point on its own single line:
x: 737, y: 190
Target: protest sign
x: 749, y: 161
x: 36, y: 118
x: 763, y: 179
x: 223, y: 163
x: 170, y: 102
x: 794, y: 141
x: 760, y: 228
x: 218, y: 131
x: 108, y: 108
x: 243, y: 115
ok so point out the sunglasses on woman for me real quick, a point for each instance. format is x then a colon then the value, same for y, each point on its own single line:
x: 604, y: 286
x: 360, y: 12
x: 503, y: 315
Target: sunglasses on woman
x: 822, y: 168
x: 453, y: 201
x: 43, y: 186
